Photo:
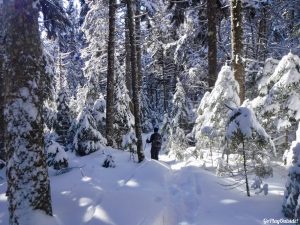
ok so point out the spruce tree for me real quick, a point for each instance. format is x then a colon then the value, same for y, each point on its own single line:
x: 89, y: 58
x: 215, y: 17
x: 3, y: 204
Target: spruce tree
x: 211, y: 121
x: 291, y: 204
x: 87, y: 138
x: 180, y: 122
x: 28, y: 187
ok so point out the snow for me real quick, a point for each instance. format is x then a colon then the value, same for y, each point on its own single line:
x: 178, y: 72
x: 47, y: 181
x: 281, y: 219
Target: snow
x: 150, y: 193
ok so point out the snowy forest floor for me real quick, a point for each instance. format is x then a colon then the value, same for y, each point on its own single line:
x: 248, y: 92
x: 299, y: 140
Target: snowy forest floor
x: 165, y: 192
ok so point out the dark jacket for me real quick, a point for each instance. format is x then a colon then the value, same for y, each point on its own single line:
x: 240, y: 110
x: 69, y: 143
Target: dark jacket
x: 156, y: 141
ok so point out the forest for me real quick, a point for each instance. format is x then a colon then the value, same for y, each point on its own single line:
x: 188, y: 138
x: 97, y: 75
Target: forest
x: 83, y: 84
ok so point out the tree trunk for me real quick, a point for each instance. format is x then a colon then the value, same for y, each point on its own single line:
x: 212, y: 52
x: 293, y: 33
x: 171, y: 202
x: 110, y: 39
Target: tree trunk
x: 212, y: 42
x: 28, y: 187
x: 2, y: 150
x: 128, y: 59
x: 237, y: 46
x: 245, y: 169
x: 110, y: 73
x: 138, y: 44
x: 135, y: 92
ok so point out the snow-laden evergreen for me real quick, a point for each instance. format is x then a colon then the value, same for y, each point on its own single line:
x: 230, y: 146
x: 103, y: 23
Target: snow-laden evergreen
x: 99, y: 113
x: 181, y: 117
x: 291, y: 203
x: 249, y: 139
x: 278, y: 105
x: 213, y: 111
x: 95, y: 28
x: 62, y: 123
x: 56, y: 155
x: 87, y: 138
x: 124, y: 133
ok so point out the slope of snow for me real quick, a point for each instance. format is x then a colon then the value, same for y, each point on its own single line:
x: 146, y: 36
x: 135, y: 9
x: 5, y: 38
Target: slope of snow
x: 162, y: 192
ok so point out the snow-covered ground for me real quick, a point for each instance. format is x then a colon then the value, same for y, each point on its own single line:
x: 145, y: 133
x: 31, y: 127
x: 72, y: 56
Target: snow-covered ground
x: 162, y: 192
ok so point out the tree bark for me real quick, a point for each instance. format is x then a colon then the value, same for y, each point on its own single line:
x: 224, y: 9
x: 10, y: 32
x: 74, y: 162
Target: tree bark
x: 2, y: 150
x: 245, y: 169
x: 138, y: 44
x: 135, y: 92
x: 28, y: 186
x: 128, y: 59
x: 237, y: 46
x: 212, y: 42
x: 110, y: 73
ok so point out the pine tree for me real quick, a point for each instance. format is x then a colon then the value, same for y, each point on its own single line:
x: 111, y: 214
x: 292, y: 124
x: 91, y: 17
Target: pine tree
x: 63, y: 121
x: 28, y: 187
x: 211, y: 121
x: 56, y: 155
x: 180, y: 123
x: 278, y: 105
x: 124, y: 134
x: 249, y: 139
x: 87, y: 138
x: 291, y: 204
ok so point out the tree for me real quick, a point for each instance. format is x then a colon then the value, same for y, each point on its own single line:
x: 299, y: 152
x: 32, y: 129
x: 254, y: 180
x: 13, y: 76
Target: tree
x: 180, y: 122
x: 278, y: 103
x: 212, y: 41
x: 211, y: 122
x: 124, y: 134
x: 2, y: 122
x: 135, y: 89
x: 237, y: 45
x: 110, y: 73
x: 28, y: 187
x: 249, y: 139
x: 62, y: 123
x: 291, y: 204
x: 87, y: 138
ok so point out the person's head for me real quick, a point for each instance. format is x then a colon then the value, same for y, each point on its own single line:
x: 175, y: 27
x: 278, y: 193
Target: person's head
x: 155, y: 130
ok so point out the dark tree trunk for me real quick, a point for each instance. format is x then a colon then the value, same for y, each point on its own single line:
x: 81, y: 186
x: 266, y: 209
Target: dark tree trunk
x: 237, y: 46
x: 2, y: 150
x: 212, y: 42
x: 128, y: 59
x: 28, y: 187
x: 138, y: 44
x: 245, y: 169
x: 135, y: 92
x: 110, y: 73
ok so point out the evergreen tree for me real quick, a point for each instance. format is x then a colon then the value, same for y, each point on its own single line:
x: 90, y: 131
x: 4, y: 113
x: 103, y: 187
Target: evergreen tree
x: 211, y: 121
x: 56, y: 155
x: 278, y: 105
x: 180, y: 123
x: 291, y: 204
x: 28, y: 187
x: 249, y: 139
x: 63, y: 121
x: 124, y: 134
x: 87, y: 138
x: 99, y: 113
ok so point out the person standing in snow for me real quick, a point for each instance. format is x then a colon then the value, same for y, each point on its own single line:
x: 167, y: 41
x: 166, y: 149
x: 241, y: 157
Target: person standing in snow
x: 156, y: 141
